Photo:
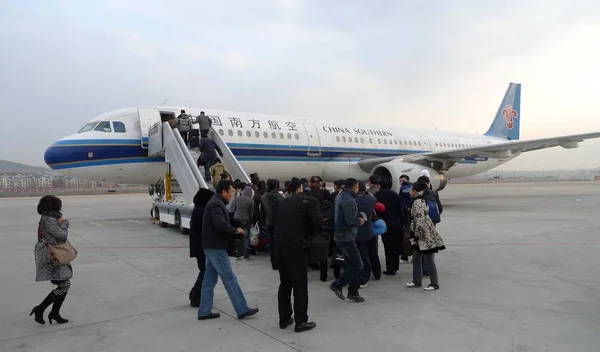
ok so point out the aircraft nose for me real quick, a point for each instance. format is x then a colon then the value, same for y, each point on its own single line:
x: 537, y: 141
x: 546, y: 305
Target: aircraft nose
x: 56, y: 156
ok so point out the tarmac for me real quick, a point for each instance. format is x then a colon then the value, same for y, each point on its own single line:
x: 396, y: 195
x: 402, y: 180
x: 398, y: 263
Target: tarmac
x: 520, y: 273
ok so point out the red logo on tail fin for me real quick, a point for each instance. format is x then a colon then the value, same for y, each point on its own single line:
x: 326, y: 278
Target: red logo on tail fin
x: 509, y: 115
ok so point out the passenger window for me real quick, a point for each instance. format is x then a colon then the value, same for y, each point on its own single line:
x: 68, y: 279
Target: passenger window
x: 337, y: 138
x: 343, y: 139
x: 265, y: 134
x: 356, y: 139
x: 273, y: 135
x: 371, y: 140
x: 297, y: 136
x: 349, y: 139
x: 362, y: 140
x: 221, y: 132
x: 240, y: 133
x: 385, y: 141
x: 88, y: 127
x: 289, y: 135
x: 379, y: 141
x: 419, y: 144
x: 257, y: 134
x: 248, y: 133
x: 396, y: 142
x: 230, y: 132
x: 281, y: 135
x: 103, y: 126
x: 119, y: 127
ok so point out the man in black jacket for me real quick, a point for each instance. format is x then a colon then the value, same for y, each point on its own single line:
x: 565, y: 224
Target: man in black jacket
x: 365, y: 241
x: 200, y: 200
x: 392, y: 239
x: 268, y: 215
x: 216, y: 234
x: 298, y: 218
x: 208, y: 155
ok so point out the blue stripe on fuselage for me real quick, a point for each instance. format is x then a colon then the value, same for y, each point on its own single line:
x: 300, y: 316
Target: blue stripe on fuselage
x: 80, y: 153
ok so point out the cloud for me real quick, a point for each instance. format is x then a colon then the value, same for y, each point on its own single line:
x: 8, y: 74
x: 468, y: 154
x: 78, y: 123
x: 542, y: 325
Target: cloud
x: 418, y: 65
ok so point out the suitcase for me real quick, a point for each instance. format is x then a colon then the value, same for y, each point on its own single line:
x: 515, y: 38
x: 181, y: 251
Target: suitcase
x: 194, y: 141
x: 194, y: 132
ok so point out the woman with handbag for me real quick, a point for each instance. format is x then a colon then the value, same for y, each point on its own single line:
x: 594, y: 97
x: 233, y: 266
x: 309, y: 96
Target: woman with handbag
x: 53, y: 256
x: 424, y: 238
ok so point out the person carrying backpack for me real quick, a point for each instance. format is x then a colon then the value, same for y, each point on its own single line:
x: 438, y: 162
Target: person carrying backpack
x: 433, y: 201
x: 425, y: 239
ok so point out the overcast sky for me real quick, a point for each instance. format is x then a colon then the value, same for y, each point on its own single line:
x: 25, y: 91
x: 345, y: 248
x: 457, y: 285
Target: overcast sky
x: 395, y: 62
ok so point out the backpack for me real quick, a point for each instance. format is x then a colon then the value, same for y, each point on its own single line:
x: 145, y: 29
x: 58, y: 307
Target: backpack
x: 434, y: 211
x: 405, y: 199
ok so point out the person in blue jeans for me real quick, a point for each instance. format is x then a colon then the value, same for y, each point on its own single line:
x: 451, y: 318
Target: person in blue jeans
x: 347, y: 222
x: 216, y: 234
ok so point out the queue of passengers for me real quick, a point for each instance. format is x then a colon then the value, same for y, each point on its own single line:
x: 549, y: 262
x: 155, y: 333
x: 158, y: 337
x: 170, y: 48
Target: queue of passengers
x: 353, y: 217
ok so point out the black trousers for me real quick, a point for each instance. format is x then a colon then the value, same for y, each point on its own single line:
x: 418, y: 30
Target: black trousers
x: 392, y: 243
x: 196, y: 291
x: 370, y: 258
x: 184, y: 135
x: 293, y: 276
x: 272, y: 247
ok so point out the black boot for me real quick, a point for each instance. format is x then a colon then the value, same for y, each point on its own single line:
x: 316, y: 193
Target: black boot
x: 55, y: 312
x: 39, y: 310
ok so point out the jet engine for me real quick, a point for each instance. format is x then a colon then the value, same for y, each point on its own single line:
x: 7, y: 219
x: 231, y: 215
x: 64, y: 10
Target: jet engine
x: 393, y: 170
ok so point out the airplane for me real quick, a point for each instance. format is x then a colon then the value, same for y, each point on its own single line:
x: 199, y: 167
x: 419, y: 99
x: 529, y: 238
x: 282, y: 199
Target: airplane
x: 113, y: 146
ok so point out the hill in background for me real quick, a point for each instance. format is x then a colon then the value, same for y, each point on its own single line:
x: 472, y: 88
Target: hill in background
x: 9, y: 166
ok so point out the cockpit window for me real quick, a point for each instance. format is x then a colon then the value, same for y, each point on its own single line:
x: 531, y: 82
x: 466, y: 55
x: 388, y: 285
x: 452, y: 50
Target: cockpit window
x: 119, y: 127
x: 103, y: 126
x: 88, y: 127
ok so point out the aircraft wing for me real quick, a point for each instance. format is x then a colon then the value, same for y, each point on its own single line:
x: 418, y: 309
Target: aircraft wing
x: 500, y: 150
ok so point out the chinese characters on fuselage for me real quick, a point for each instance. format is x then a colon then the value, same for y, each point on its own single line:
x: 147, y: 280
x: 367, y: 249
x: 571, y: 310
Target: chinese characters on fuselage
x: 256, y: 124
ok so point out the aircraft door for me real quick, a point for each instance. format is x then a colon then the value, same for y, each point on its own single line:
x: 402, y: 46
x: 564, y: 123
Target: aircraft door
x: 314, y: 140
x: 148, y: 118
x: 426, y: 143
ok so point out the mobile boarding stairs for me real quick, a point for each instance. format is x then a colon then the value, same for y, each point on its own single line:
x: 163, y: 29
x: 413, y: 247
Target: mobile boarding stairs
x: 174, y: 194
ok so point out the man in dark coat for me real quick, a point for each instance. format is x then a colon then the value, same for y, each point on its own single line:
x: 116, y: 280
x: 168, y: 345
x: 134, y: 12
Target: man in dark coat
x: 366, y: 242
x: 298, y: 218
x: 216, y: 234
x: 392, y: 239
x: 347, y: 222
x: 200, y: 200
x: 268, y: 215
x: 208, y: 155
x: 326, y: 206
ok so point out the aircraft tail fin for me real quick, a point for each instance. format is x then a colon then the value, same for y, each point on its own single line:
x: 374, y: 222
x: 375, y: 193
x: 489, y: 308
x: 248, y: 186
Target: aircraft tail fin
x: 506, y: 124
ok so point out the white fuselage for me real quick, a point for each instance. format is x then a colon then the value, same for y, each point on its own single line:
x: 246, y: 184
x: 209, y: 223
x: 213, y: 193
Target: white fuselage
x: 272, y: 146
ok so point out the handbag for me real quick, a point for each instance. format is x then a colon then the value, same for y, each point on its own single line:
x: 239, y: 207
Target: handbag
x: 379, y: 227
x: 62, y: 254
x: 236, y: 246
x: 254, y: 232
x: 318, y: 248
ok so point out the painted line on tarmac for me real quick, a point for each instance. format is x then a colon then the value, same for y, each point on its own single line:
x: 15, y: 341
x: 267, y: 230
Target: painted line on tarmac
x: 524, y: 244
x: 138, y: 222
x: 95, y: 223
